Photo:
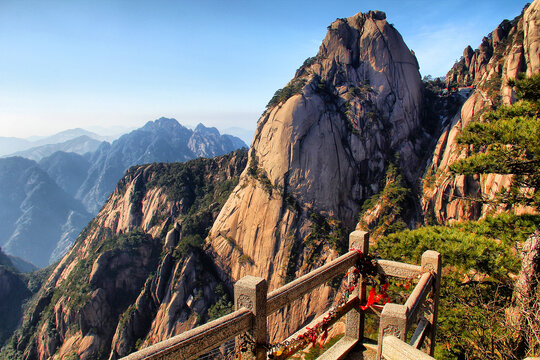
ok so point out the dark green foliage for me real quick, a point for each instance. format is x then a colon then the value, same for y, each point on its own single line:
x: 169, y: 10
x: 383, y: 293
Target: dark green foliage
x: 507, y: 142
x: 253, y: 165
x: 187, y: 244
x: 138, y: 195
x: 437, y: 104
x: 294, y: 252
x: 14, y: 292
x: 77, y: 285
x: 258, y: 173
x: 309, y: 61
x: 392, y: 200
x: 37, y: 278
x: 203, y: 188
x: 325, y: 231
x: 126, y: 315
x: 480, y: 261
x: 493, y: 89
x: 294, y: 87
x: 527, y: 88
x: 222, y: 306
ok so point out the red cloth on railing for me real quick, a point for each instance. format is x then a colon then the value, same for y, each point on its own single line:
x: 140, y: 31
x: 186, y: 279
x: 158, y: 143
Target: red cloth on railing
x: 374, y: 298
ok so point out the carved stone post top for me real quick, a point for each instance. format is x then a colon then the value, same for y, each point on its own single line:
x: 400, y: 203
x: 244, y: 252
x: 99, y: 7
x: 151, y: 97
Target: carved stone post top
x: 431, y: 261
x: 359, y: 240
x: 250, y: 292
x: 431, y: 255
x: 249, y: 281
x: 395, y: 311
x: 393, y: 322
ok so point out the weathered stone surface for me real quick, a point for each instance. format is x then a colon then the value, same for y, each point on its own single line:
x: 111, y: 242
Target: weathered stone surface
x: 322, y: 150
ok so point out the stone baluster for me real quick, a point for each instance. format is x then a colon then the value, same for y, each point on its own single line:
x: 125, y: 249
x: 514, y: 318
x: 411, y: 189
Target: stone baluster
x: 355, y: 318
x: 431, y: 261
x: 393, y: 322
x: 250, y: 292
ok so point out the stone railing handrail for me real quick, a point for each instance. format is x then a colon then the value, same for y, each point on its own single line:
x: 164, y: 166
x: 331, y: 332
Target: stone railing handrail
x: 396, y: 349
x: 418, y: 296
x: 199, y: 340
x: 254, y: 304
x: 301, y: 286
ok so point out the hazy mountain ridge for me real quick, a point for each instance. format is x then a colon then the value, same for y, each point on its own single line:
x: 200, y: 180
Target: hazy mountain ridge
x: 10, y: 145
x: 160, y: 140
x: 68, y: 170
x: 80, y: 145
x: 34, y: 211
x: 59, y: 217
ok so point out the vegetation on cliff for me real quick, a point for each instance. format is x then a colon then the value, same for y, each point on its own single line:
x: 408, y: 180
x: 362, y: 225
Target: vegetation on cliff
x: 114, y: 274
x: 507, y: 141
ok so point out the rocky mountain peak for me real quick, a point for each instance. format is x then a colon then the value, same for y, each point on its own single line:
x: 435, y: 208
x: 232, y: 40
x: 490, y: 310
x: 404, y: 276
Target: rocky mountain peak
x: 321, y: 148
x: 163, y: 123
x: 200, y: 128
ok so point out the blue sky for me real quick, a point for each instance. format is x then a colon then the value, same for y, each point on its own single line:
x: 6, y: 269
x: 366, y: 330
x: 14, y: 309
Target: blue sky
x: 73, y: 63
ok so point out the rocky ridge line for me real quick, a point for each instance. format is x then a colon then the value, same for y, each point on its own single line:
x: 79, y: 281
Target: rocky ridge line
x: 511, y: 49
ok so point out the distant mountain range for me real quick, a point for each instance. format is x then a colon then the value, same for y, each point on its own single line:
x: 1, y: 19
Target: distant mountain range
x: 44, y: 204
x: 12, y: 146
x: 162, y: 140
x: 79, y: 145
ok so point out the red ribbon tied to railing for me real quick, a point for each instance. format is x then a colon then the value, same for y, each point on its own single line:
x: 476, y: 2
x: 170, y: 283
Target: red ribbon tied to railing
x: 375, y: 298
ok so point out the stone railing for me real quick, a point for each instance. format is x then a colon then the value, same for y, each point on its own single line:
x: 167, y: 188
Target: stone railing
x: 253, y: 304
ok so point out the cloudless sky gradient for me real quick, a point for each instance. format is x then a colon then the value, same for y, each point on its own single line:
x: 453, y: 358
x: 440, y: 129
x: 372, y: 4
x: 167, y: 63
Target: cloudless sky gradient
x: 75, y: 63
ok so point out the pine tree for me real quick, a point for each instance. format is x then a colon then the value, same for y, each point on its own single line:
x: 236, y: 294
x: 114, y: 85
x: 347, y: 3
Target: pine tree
x: 508, y: 142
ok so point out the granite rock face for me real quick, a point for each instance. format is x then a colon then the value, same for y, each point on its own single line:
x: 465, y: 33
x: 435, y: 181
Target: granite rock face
x: 320, y: 149
x: 511, y: 49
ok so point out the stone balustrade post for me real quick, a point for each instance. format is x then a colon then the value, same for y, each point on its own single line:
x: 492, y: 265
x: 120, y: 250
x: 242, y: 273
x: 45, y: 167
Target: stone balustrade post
x: 250, y: 292
x: 431, y: 261
x: 355, y: 318
x: 393, y: 322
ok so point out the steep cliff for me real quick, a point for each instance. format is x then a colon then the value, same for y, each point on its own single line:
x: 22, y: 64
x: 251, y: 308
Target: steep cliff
x: 137, y: 272
x: 321, y: 148
x: 509, y: 50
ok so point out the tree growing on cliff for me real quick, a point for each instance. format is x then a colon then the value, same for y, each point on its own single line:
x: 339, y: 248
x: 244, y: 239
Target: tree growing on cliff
x: 508, y: 142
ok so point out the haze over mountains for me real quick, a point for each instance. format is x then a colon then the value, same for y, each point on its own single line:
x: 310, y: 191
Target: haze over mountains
x: 12, y: 146
x: 47, y: 203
